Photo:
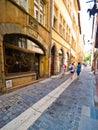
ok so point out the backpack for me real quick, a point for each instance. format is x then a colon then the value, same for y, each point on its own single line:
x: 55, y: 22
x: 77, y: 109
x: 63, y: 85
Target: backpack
x: 71, y: 68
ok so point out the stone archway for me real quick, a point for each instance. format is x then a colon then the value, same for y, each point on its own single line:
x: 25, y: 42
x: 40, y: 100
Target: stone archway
x: 24, y: 60
x: 61, y: 58
x: 67, y: 59
x: 53, y: 50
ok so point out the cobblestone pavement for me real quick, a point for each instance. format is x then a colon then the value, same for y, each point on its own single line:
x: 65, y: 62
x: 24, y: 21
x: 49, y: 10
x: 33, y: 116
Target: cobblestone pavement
x: 73, y: 110
x: 14, y: 103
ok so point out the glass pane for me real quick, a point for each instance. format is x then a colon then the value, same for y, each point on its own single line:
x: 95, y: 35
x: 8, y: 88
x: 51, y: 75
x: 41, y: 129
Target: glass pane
x: 36, y: 1
x: 42, y: 6
x: 23, y: 3
x: 41, y: 18
x: 17, y: 1
x: 36, y: 13
x: 18, y: 61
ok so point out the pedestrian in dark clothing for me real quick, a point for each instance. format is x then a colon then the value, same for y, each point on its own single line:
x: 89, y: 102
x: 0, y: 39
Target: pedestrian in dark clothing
x: 78, y: 69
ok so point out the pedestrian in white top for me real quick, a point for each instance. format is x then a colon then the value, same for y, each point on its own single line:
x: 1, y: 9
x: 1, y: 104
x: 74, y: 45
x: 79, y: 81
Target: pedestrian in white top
x: 72, y: 70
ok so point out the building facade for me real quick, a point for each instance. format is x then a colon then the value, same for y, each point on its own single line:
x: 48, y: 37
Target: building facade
x: 24, y: 42
x: 36, y: 38
x: 94, y: 53
x: 65, y: 33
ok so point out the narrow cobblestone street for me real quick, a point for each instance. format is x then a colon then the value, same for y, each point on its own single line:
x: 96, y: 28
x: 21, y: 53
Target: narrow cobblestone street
x: 72, y: 109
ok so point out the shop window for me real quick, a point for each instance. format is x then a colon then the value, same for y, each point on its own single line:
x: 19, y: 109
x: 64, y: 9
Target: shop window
x: 18, y: 62
x: 21, y: 55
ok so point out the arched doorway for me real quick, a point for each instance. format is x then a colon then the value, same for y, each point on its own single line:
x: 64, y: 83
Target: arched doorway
x: 67, y: 59
x: 53, y: 50
x: 21, y: 55
x: 61, y: 57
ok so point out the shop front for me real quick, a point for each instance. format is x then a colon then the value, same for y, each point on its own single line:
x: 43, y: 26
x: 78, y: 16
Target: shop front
x: 22, y: 61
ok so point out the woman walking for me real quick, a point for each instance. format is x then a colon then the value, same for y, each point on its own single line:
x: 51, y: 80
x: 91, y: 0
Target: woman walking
x: 78, y: 69
x: 63, y: 70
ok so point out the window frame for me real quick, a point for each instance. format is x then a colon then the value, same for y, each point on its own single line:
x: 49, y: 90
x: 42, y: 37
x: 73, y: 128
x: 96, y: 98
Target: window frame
x: 41, y: 11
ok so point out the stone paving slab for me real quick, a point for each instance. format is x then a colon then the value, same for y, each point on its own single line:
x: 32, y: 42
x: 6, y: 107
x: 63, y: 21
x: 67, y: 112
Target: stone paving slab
x: 88, y: 124
x: 86, y: 111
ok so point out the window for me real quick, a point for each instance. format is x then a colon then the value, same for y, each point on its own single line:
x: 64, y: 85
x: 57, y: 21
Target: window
x: 41, y: 19
x: 55, y: 11
x: 22, y: 43
x: 55, y: 23
x: 39, y: 11
x: 60, y: 18
x: 36, y: 1
x: 36, y: 13
x: 63, y: 28
x: 63, y: 32
x: 55, y: 20
x: 17, y: 1
x: 42, y: 6
x: 22, y: 3
x: 60, y: 29
x: 21, y: 54
x: 61, y: 25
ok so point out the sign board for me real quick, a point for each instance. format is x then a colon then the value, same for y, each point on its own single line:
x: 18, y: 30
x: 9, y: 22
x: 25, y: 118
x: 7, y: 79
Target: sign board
x: 9, y: 83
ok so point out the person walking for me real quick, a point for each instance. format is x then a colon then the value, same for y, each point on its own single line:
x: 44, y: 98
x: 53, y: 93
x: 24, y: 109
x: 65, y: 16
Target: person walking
x: 78, y: 69
x: 64, y: 66
x: 63, y: 70
x: 72, y: 70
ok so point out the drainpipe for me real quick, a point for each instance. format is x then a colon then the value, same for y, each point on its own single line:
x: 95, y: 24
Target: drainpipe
x: 51, y: 9
x: 93, y: 41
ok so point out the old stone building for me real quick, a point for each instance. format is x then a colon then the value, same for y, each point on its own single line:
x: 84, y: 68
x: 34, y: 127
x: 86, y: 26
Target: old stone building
x: 94, y: 53
x: 36, y: 38
x: 65, y: 33
x: 24, y: 42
